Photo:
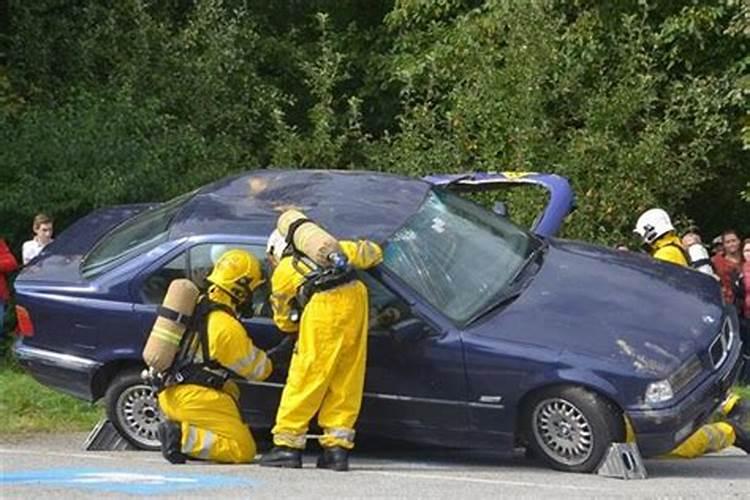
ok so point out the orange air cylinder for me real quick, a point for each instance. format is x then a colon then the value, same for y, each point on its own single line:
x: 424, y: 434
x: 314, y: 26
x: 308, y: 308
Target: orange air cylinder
x: 309, y: 238
x: 164, y: 340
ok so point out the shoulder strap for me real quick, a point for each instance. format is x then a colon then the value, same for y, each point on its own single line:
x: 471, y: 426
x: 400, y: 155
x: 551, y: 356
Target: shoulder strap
x: 685, y: 255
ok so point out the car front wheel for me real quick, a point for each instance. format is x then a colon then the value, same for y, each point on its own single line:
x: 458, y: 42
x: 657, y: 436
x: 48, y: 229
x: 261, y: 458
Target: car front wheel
x: 132, y: 408
x: 571, y: 428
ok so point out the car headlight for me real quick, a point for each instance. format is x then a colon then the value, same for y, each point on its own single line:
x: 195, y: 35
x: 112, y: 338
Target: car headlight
x: 658, y: 392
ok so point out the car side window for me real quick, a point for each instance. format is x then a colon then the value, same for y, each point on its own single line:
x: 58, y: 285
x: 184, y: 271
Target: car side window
x: 154, y: 288
x: 202, y: 260
x: 386, y: 308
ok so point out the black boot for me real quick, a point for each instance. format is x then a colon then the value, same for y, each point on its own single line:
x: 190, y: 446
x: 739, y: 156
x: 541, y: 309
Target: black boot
x: 170, y: 435
x: 739, y: 418
x: 282, y: 456
x: 334, y: 458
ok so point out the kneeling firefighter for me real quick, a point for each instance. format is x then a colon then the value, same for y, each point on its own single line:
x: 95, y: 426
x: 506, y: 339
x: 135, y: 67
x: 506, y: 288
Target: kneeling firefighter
x: 655, y: 229
x: 328, y: 305
x: 198, y: 396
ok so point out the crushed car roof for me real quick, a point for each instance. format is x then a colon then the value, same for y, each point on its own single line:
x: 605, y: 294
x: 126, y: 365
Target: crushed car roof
x: 348, y: 204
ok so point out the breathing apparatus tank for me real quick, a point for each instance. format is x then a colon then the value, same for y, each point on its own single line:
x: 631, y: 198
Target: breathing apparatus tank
x: 311, y: 240
x: 700, y: 260
x: 174, y: 315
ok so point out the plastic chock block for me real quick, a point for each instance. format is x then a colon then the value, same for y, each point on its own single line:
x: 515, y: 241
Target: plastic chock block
x: 623, y: 461
x: 105, y: 437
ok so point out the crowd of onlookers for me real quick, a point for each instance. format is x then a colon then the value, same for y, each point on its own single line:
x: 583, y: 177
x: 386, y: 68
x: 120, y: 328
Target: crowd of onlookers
x: 730, y: 261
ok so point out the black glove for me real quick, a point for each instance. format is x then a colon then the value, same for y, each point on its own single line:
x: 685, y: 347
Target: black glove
x: 282, y: 351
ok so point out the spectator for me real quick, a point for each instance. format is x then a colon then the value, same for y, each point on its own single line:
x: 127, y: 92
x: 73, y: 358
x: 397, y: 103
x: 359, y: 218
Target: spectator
x: 42, y: 237
x: 716, y: 247
x: 728, y: 266
x: 691, y: 238
x: 8, y: 264
x: 742, y: 297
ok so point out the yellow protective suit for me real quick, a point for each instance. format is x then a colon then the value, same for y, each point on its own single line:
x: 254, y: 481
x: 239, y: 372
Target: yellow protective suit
x: 211, y: 424
x: 327, y: 371
x: 669, y: 249
x: 711, y: 437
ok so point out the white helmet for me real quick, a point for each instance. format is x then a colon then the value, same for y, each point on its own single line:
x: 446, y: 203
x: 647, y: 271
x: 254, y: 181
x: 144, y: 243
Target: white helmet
x: 276, y: 245
x: 653, y: 224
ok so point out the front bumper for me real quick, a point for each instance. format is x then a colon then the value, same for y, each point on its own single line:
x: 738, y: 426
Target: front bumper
x: 64, y: 372
x: 659, y: 431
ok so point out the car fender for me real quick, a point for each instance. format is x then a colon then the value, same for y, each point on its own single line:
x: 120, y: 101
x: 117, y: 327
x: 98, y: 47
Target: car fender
x: 569, y: 376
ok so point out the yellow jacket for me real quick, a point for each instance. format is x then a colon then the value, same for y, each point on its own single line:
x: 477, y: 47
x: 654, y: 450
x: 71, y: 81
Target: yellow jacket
x: 285, y: 281
x: 230, y: 345
x: 669, y: 248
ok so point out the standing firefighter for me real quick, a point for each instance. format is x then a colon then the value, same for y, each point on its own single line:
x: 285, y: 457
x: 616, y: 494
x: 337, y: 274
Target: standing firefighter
x: 199, y: 398
x: 329, y: 307
x: 655, y: 228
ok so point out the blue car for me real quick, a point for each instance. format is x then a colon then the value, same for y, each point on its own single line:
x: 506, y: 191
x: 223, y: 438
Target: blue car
x: 482, y: 334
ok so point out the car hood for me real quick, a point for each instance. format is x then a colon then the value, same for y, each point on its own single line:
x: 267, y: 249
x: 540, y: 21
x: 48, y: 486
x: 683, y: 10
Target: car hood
x: 623, y: 307
x: 60, y: 260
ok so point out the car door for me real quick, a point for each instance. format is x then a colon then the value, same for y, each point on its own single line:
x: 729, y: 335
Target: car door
x: 415, y: 387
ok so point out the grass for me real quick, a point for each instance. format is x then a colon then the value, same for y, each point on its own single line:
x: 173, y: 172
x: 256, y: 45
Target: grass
x: 27, y: 406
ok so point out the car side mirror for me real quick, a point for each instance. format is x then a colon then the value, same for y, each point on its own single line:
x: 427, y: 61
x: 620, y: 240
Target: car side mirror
x: 409, y: 330
x: 500, y: 208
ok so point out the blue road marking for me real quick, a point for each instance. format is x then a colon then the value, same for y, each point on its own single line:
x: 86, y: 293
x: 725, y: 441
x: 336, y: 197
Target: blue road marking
x: 121, y: 481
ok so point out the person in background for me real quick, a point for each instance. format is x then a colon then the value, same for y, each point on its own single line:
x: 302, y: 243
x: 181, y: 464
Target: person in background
x: 728, y: 266
x: 742, y: 301
x: 716, y: 247
x: 42, y: 237
x: 8, y: 264
x: 658, y: 234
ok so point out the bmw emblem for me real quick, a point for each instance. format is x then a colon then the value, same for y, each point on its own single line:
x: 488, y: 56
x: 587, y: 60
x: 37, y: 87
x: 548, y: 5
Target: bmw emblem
x: 709, y: 320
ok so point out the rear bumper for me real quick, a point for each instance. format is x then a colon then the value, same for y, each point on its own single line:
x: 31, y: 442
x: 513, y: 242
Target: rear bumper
x: 64, y: 372
x: 660, y: 431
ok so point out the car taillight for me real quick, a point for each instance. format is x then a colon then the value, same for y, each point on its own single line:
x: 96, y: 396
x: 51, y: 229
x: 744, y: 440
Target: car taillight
x: 25, y: 327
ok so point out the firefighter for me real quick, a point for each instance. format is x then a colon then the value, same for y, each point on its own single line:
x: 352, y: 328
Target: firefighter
x: 327, y: 371
x: 200, y: 400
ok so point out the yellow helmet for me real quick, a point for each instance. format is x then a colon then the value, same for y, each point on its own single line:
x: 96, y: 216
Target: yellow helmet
x: 238, y: 273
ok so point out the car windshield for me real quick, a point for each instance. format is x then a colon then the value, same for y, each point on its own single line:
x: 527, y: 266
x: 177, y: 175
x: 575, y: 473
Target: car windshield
x: 458, y: 256
x: 135, y: 236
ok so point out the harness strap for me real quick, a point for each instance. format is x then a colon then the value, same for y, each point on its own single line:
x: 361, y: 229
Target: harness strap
x: 173, y: 315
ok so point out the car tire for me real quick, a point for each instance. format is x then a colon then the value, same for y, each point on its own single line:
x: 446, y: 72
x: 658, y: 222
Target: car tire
x: 132, y: 408
x: 571, y: 428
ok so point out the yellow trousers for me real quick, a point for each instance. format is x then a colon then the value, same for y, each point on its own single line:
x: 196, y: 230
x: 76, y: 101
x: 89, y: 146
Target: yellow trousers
x: 708, y: 439
x: 327, y: 371
x: 212, y: 428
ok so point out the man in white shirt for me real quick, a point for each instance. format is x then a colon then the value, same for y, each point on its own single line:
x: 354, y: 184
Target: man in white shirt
x: 42, y: 237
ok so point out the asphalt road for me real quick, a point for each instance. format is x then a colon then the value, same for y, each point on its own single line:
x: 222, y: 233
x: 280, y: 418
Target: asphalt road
x: 55, y: 466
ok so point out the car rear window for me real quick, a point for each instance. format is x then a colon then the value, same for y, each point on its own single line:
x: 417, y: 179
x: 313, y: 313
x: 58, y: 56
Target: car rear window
x: 133, y: 237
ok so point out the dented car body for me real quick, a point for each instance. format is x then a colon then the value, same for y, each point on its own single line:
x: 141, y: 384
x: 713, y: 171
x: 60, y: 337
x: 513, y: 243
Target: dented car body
x: 471, y: 317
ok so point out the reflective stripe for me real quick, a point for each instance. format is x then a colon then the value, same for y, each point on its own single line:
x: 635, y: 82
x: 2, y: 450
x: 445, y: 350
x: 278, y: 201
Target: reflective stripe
x: 192, y: 438
x: 340, y: 433
x: 245, y: 362
x: 260, y: 368
x: 289, y: 439
x: 208, y: 441
x: 166, y: 336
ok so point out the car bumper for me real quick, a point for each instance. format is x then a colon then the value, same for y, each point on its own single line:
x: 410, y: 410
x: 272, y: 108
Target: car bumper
x: 64, y: 372
x: 660, y: 431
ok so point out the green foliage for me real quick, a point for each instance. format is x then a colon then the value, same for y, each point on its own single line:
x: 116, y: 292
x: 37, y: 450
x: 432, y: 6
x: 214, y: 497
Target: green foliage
x: 638, y: 103
x: 128, y: 151
x: 28, y: 406
x: 637, y: 108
